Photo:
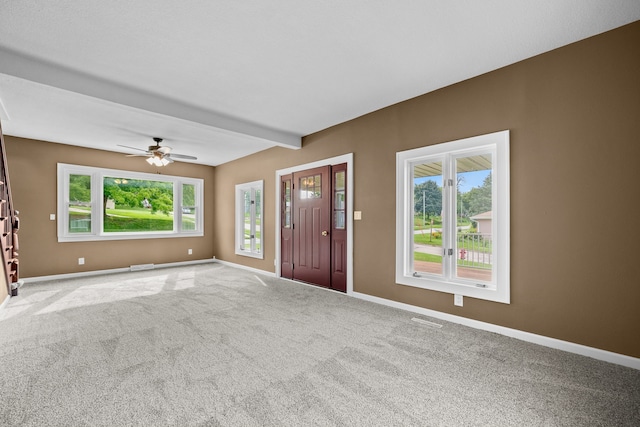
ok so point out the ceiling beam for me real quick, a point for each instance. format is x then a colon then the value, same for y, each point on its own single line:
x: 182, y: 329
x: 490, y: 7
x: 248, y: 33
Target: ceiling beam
x: 26, y: 67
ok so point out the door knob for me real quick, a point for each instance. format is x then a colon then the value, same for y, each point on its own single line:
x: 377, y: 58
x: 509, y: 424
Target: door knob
x: 325, y: 233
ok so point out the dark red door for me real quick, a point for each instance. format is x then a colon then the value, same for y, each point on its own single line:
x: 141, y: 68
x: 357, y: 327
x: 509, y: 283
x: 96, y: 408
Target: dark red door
x: 312, y: 226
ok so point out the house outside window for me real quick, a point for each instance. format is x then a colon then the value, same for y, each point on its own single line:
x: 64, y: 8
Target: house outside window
x: 452, y: 222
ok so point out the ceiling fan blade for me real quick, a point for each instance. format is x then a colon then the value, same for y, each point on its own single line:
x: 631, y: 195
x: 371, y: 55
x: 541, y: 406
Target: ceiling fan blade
x: 182, y: 156
x: 136, y: 155
x: 133, y: 148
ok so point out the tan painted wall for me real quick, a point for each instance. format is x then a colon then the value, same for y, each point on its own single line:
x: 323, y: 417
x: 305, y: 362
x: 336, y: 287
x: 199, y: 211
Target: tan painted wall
x: 33, y: 173
x: 574, y: 116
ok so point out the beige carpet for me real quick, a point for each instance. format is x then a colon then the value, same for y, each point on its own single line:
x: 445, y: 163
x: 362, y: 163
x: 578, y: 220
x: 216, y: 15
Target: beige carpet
x: 210, y: 345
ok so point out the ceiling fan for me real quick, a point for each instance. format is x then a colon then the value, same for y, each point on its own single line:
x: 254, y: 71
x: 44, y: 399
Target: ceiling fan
x: 159, y: 155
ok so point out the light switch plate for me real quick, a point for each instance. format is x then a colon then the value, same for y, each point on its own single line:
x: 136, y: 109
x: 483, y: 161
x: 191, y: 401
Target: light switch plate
x: 52, y: 217
x: 357, y: 215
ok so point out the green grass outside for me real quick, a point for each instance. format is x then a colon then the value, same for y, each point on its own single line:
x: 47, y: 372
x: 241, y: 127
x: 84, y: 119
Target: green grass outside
x: 436, y: 240
x: 426, y: 239
x: 247, y: 238
x: 136, y: 219
x: 114, y: 224
x: 419, y: 256
x: 419, y: 225
x: 437, y: 222
x: 470, y: 246
x: 138, y: 213
x: 247, y: 218
x: 133, y: 220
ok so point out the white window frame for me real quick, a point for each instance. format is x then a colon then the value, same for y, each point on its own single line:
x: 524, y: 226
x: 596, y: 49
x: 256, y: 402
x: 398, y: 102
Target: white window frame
x: 97, y: 179
x: 251, y: 251
x: 499, y: 288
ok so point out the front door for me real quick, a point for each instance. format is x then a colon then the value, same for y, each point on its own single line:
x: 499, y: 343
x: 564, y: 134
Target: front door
x: 312, y: 226
x: 313, y: 233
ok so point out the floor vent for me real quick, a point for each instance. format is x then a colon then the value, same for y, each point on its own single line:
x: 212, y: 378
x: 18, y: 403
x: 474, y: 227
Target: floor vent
x: 426, y: 322
x: 142, y: 267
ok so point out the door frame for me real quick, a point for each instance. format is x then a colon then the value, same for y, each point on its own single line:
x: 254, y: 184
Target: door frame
x: 345, y: 158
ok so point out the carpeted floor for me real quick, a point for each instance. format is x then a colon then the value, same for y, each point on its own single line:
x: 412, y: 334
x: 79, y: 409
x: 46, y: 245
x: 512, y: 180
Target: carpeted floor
x: 210, y: 345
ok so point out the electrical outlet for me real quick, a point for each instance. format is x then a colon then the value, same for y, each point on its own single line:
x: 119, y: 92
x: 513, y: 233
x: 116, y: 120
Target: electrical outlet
x: 457, y: 300
x: 52, y: 217
x: 190, y: 251
x: 80, y: 261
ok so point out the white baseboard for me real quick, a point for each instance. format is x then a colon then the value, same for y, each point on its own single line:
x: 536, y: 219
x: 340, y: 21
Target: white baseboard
x: 583, y: 350
x: 112, y: 271
x: 244, y: 267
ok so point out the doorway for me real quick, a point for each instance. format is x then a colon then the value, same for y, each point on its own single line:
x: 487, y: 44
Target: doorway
x: 315, y: 225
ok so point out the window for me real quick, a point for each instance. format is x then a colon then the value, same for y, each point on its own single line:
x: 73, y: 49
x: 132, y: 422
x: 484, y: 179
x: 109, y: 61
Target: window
x: 107, y: 204
x: 311, y: 187
x: 452, y: 220
x: 189, y: 208
x: 285, y: 204
x: 249, y: 214
x: 339, y: 201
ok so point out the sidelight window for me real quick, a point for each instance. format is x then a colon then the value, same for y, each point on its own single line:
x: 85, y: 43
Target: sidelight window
x: 339, y: 201
x: 285, y: 204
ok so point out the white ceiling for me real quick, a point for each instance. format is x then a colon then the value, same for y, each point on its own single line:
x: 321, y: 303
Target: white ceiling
x: 221, y: 79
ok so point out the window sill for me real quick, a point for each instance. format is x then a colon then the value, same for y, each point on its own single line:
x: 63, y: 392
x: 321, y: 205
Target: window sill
x: 127, y: 236
x: 250, y: 254
x: 472, y: 290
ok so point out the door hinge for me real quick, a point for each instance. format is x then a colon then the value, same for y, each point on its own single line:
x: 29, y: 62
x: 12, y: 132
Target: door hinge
x: 450, y: 182
x: 252, y: 236
x: 253, y: 202
x: 450, y: 252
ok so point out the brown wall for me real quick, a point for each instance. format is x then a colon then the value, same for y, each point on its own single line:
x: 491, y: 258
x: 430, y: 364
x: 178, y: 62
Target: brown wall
x: 574, y: 117
x: 33, y: 173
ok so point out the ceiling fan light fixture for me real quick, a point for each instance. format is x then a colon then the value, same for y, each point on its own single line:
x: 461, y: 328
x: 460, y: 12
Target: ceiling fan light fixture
x: 157, y: 155
x: 157, y: 161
